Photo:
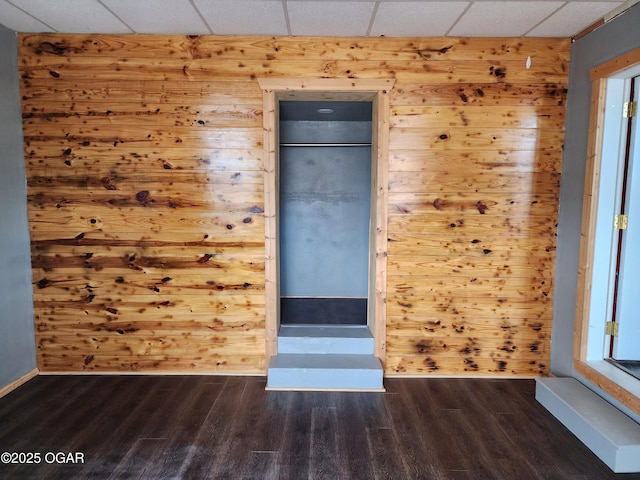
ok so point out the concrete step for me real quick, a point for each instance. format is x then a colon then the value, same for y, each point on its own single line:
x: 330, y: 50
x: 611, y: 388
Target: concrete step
x: 321, y: 339
x: 609, y: 433
x: 346, y: 372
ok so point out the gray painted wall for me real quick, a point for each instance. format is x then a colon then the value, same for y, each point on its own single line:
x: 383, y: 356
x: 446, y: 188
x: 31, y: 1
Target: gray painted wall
x: 325, y: 200
x: 607, y: 42
x: 17, y: 341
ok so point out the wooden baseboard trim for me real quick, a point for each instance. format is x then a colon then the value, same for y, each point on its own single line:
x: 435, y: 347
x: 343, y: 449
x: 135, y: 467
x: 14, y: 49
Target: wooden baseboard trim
x: 155, y: 372
x: 20, y: 381
x: 470, y: 376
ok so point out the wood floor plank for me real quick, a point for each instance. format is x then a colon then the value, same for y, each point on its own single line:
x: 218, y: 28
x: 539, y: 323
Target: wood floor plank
x: 212, y: 427
x: 385, y: 465
x: 254, y: 429
x: 295, y: 454
x: 421, y: 454
x: 171, y: 422
x: 210, y: 455
x: 262, y: 423
x: 33, y: 401
x: 325, y: 455
x: 111, y: 423
x: 416, y: 409
x: 260, y: 466
x: 356, y: 414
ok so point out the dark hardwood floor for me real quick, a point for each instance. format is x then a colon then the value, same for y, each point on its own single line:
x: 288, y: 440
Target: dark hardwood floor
x: 208, y: 427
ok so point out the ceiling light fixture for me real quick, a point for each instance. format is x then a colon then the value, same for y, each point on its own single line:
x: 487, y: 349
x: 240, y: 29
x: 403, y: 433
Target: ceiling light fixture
x: 325, y: 110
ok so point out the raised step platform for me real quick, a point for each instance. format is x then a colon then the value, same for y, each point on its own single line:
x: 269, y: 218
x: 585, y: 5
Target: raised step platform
x: 325, y: 339
x: 320, y: 357
x: 605, y: 430
x: 325, y: 372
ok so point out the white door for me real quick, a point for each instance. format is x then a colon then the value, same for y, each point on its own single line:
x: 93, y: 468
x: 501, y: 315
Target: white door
x: 626, y: 346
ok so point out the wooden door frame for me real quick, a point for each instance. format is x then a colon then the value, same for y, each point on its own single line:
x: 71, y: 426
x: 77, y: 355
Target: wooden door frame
x: 314, y: 89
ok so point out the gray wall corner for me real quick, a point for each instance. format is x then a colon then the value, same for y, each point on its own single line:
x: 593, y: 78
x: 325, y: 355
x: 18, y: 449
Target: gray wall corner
x: 17, y: 333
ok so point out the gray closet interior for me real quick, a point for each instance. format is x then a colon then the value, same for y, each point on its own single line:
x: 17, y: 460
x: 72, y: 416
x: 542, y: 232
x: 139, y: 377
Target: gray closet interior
x: 324, y: 211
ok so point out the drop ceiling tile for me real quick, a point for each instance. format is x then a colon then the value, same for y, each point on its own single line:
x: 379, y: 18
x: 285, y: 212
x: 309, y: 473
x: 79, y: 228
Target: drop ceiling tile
x: 15, y: 19
x: 330, y: 18
x: 309, y: 17
x: 159, y: 16
x: 572, y: 18
x: 244, y: 17
x: 73, y: 16
x: 503, y: 18
x: 398, y: 19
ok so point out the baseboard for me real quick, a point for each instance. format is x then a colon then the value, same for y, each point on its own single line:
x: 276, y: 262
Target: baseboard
x: 154, y: 372
x: 20, y: 381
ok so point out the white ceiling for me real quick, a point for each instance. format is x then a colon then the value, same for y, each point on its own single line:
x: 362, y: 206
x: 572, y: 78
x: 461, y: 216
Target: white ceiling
x: 392, y: 18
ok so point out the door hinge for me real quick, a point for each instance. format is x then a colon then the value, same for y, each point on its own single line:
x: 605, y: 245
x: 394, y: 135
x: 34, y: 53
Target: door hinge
x: 612, y: 329
x: 629, y: 109
x: 620, y: 222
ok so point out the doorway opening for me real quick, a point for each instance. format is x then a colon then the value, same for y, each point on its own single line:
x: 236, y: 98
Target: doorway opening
x: 325, y: 178
x: 375, y: 94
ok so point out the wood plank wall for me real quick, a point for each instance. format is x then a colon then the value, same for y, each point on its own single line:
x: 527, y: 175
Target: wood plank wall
x: 145, y: 167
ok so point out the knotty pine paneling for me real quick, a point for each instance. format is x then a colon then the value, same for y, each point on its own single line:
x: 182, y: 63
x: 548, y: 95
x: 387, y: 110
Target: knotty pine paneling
x: 145, y: 167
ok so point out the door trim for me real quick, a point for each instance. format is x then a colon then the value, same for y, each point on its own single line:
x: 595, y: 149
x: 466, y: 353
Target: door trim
x: 310, y: 89
x: 610, y: 379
